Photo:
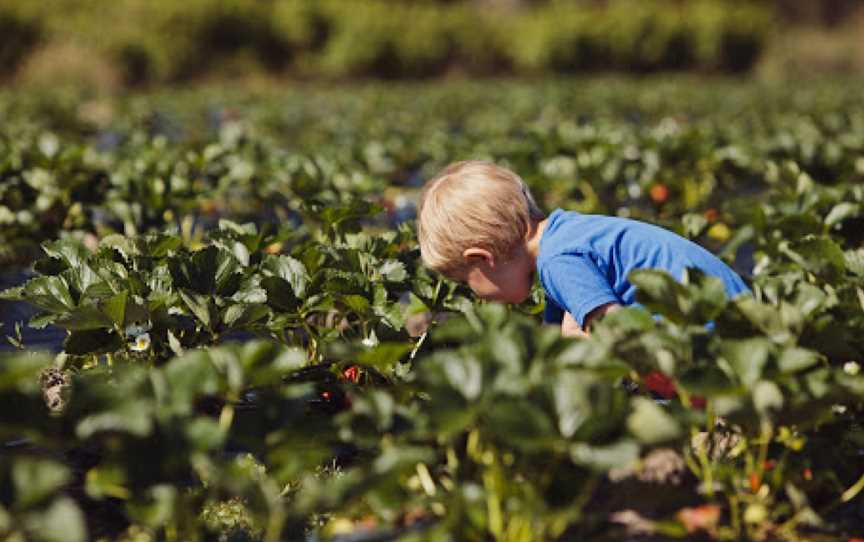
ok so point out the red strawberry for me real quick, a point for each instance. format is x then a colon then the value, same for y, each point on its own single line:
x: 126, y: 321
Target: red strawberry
x: 352, y: 373
x: 711, y: 215
x: 755, y: 482
x: 659, y: 193
x: 660, y: 384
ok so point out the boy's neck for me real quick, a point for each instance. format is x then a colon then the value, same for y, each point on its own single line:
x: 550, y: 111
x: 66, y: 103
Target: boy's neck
x: 532, y: 240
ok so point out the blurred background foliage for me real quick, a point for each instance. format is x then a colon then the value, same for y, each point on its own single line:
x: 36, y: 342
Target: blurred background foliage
x: 179, y: 223
x: 131, y: 43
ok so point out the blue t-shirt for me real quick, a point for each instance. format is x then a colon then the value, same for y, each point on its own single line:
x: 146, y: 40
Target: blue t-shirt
x: 584, y: 261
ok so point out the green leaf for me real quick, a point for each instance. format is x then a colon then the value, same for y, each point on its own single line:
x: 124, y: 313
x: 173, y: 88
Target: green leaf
x: 810, y: 298
x: 250, y: 291
x: 62, y: 521
x: 106, y: 481
x: 393, y: 271
x: 345, y: 282
x: 48, y: 293
x: 84, y: 318
x: 264, y: 363
x: 818, y: 382
x: 122, y: 244
x: 156, y: 507
x: 158, y: 245
x: 243, y: 315
x: 228, y: 273
x: 505, y: 350
x: 205, y: 434
x: 357, y: 304
x: 84, y: 280
x: 291, y: 270
x: 605, y: 457
x: 280, y: 294
x: 335, y: 215
x: 694, y: 224
x: 131, y: 416
x: 385, y: 355
x: 659, y: 292
x: 572, y: 402
x: 50, y: 266
x: 193, y: 375
x: 37, y: 479
x: 92, y: 341
x: 200, y: 305
x: 767, y: 397
x: 21, y: 371
x: 71, y: 252
x: 795, y: 359
x: 395, y: 458
x: 747, y: 357
x: 707, y: 295
x: 521, y: 424
x: 454, y: 329
x: 841, y: 212
x: 377, y: 405
x: 650, y: 424
x: 708, y: 381
x: 40, y: 321
x: 855, y: 261
x: 174, y: 344
x: 390, y: 312
x: 13, y: 294
x: 242, y: 230
x: 463, y: 373
x: 631, y: 318
x: 763, y: 317
x: 115, y: 308
x: 853, y: 383
x: 819, y: 255
x: 211, y: 270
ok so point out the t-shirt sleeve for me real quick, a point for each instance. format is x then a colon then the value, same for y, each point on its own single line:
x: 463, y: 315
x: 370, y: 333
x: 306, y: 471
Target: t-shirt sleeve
x: 576, y: 285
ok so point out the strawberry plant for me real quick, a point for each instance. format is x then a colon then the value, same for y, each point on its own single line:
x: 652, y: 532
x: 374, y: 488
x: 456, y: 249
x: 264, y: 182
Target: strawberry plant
x: 253, y: 349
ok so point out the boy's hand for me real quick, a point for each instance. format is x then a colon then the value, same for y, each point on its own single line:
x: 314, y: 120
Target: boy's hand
x: 571, y: 328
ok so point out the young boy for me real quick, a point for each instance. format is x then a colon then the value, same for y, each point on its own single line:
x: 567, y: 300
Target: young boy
x: 478, y: 224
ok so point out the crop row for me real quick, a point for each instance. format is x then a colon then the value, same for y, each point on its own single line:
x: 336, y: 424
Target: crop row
x: 140, y: 165
x: 327, y: 38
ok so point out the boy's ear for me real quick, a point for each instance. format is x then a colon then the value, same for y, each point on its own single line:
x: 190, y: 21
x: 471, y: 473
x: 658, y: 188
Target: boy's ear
x: 477, y: 255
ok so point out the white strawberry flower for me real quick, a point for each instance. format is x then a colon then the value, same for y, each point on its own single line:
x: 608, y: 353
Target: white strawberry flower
x: 138, y: 336
x: 851, y: 368
x: 141, y: 343
x: 371, y: 341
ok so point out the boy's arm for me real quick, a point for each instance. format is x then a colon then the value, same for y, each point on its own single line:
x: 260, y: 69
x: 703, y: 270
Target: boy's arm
x: 571, y: 328
x: 577, y: 286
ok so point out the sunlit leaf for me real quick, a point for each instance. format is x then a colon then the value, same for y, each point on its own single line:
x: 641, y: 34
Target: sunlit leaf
x: 650, y: 424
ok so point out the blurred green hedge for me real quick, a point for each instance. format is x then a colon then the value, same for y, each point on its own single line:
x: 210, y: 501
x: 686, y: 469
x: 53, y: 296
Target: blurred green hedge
x: 163, y: 40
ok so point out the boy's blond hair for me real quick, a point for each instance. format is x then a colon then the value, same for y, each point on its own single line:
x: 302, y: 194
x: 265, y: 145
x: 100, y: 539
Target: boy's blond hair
x: 473, y: 204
